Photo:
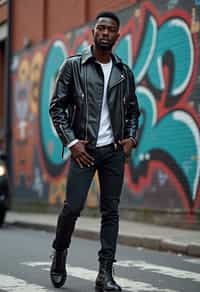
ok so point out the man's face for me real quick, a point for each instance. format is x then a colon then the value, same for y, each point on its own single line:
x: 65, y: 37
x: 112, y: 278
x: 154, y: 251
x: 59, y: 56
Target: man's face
x: 105, y: 33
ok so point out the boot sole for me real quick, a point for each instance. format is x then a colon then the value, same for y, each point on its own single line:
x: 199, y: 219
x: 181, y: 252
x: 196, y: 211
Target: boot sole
x: 101, y: 289
x: 61, y: 282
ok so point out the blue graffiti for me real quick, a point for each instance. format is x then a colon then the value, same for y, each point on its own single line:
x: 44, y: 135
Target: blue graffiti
x: 176, y: 134
x: 82, y: 46
x: 146, y: 51
x: 174, y: 37
x: 171, y: 134
x: 167, y: 135
x: 50, y: 141
x: 124, y: 46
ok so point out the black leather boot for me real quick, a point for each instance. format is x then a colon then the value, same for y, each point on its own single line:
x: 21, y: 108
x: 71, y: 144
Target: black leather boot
x: 58, y: 272
x: 104, y: 280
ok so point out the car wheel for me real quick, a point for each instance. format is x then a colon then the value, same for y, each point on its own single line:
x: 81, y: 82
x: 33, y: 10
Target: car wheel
x: 2, y: 216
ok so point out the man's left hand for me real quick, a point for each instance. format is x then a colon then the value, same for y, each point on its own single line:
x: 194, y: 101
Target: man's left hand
x: 128, y: 144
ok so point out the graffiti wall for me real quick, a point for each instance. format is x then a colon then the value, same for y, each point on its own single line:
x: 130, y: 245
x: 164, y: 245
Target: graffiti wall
x: 160, y: 42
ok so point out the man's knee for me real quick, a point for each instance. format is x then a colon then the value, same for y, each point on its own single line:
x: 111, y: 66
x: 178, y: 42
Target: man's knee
x: 70, y: 210
x: 109, y: 207
x: 110, y: 215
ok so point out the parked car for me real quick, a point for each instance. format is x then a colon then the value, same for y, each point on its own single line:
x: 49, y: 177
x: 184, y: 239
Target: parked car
x: 4, y: 188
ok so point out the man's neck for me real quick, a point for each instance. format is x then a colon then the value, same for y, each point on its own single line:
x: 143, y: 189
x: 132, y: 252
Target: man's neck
x: 103, y: 56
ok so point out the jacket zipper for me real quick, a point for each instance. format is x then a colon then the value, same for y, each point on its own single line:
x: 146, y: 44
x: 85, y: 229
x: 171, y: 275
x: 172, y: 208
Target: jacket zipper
x: 123, y: 102
x: 86, y: 102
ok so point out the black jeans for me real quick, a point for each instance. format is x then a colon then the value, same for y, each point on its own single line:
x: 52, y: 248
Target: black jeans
x: 109, y: 163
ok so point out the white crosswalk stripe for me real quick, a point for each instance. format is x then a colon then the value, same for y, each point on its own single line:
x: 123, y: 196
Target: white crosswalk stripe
x: 164, y: 270
x: 192, y: 261
x: 12, y: 284
x: 9, y: 283
x: 90, y: 275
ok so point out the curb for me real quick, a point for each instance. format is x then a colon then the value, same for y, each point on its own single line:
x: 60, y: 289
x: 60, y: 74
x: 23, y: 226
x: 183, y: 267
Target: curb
x: 154, y: 243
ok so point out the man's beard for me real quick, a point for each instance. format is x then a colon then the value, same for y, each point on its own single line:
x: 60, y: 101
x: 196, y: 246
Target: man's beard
x: 103, y: 46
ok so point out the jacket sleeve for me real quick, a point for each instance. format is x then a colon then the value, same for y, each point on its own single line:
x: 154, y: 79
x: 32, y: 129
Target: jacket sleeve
x: 60, y: 103
x: 132, y: 110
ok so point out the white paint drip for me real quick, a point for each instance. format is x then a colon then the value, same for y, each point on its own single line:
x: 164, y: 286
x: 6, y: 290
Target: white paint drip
x: 12, y: 284
x: 180, y: 23
x: 151, y: 51
x: 90, y: 275
x: 191, y: 124
x: 144, y: 91
x: 167, y: 271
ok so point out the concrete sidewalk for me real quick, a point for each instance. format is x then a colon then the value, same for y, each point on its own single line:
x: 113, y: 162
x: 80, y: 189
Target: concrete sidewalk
x: 131, y: 233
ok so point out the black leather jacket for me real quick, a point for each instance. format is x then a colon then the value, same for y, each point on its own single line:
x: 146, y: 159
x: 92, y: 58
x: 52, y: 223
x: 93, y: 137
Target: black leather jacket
x: 76, y: 103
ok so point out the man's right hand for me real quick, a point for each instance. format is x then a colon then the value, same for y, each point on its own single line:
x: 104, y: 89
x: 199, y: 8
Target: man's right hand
x: 80, y: 155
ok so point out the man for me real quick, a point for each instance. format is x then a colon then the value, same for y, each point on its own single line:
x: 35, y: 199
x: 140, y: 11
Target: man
x: 95, y: 112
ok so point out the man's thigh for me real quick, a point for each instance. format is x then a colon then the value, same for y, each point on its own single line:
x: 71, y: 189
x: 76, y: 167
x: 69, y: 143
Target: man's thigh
x: 111, y: 175
x: 78, y: 183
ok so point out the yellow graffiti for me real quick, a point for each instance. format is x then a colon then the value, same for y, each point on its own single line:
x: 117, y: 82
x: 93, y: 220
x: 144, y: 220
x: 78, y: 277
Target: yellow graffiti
x: 57, y: 191
x: 29, y: 75
x: 92, y: 199
x: 137, y: 13
x: 23, y: 71
x: 35, y: 77
x: 195, y: 25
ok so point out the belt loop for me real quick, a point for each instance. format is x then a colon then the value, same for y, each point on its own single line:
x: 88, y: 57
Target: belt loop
x: 115, y: 146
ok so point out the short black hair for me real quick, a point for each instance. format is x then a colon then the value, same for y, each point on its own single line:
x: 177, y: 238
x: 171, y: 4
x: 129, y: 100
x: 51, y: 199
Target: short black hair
x: 109, y: 15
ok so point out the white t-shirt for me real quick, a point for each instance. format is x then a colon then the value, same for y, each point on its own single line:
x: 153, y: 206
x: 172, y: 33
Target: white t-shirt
x: 105, y: 135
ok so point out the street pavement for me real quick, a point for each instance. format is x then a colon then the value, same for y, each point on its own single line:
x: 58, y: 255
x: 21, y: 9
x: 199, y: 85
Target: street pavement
x: 25, y: 259
x: 161, y: 238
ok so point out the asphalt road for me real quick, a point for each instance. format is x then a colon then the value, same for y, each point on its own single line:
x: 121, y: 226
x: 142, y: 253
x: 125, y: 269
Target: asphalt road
x: 25, y: 260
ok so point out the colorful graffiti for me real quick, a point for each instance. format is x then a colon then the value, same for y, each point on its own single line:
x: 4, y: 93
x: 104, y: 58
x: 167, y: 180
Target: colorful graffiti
x: 162, y: 50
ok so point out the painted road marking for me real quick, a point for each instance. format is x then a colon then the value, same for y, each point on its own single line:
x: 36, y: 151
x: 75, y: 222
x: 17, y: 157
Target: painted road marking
x: 12, y: 284
x: 167, y: 271
x: 90, y: 275
x: 192, y: 261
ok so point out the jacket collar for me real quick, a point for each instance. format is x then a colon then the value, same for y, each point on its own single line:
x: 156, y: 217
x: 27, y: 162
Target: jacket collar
x: 87, y: 55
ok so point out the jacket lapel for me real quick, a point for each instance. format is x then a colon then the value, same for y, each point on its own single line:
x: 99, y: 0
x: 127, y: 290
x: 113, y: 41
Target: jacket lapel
x: 116, y: 77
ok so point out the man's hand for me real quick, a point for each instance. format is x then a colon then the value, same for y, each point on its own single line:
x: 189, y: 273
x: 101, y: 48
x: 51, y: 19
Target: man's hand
x: 80, y: 154
x: 127, y: 144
